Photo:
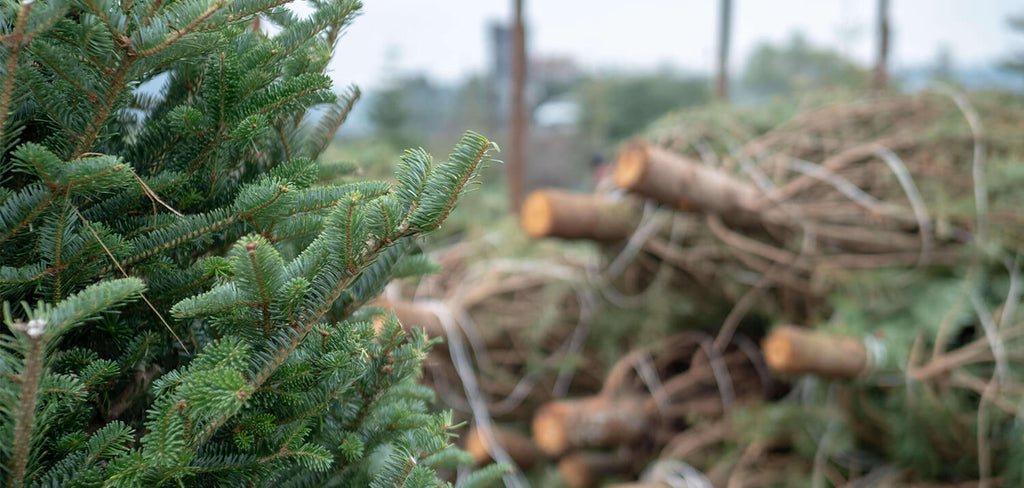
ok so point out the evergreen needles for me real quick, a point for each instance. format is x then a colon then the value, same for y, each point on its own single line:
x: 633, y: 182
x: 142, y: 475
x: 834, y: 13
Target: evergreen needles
x: 182, y: 306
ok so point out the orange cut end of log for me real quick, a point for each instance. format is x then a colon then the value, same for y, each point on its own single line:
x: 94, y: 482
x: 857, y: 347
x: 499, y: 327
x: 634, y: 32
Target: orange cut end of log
x: 575, y: 471
x: 476, y: 447
x: 549, y: 429
x: 778, y: 350
x: 630, y: 166
x: 537, y: 216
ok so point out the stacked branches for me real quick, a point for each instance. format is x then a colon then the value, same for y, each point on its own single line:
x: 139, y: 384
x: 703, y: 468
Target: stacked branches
x: 189, y: 298
x: 894, y: 224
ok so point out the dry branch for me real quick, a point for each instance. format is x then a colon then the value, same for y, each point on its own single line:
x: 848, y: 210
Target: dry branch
x: 624, y: 413
x: 558, y: 213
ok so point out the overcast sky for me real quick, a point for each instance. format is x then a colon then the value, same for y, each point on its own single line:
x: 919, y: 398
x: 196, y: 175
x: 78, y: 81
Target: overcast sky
x: 447, y: 39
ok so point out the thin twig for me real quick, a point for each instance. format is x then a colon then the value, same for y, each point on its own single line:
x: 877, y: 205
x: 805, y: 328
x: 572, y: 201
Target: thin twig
x: 978, y: 163
x: 125, y: 274
x: 152, y: 194
x: 924, y: 224
x: 481, y: 416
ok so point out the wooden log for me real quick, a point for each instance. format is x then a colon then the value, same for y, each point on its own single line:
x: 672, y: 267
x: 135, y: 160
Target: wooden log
x: 519, y: 447
x: 791, y: 350
x: 586, y: 469
x: 410, y: 314
x: 557, y: 213
x: 679, y: 182
x: 597, y: 421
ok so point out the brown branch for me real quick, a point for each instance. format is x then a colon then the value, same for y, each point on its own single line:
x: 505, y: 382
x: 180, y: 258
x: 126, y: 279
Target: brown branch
x: 182, y: 32
x: 24, y: 419
x: 16, y: 41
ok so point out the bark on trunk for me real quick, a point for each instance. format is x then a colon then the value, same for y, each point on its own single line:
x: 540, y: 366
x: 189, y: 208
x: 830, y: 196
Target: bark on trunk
x: 790, y: 350
x: 558, y: 213
x: 679, y: 182
x: 519, y: 447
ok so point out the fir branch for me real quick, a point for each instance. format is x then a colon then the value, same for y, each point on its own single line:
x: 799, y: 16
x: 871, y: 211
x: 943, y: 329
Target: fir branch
x: 153, y: 245
x: 118, y: 81
x: 16, y: 41
x: 331, y: 122
x: 38, y: 196
x: 179, y: 33
x: 473, y: 144
x: 24, y: 419
x: 261, y: 284
x: 299, y: 328
x: 43, y: 57
x: 125, y: 274
x: 101, y: 12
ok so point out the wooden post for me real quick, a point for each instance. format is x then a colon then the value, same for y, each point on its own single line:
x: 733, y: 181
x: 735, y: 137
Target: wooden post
x: 520, y: 448
x: 881, y: 74
x: 557, y: 213
x: 586, y: 469
x: 685, y: 184
x: 516, y: 163
x: 597, y: 421
x: 791, y: 350
x: 724, y: 34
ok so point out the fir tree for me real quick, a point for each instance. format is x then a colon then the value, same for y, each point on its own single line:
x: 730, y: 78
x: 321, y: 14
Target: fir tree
x: 182, y: 304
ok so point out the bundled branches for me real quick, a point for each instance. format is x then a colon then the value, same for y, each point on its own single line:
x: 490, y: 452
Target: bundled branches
x: 687, y: 383
x: 882, y: 212
x: 873, y: 224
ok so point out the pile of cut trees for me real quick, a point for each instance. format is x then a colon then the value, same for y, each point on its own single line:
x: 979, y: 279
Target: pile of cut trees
x: 884, y: 237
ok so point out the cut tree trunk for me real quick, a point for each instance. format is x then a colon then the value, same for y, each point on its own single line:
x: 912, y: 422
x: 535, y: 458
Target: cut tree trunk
x: 598, y: 421
x: 586, y: 469
x: 679, y: 182
x: 790, y: 350
x: 558, y: 213
x: 519, y: 447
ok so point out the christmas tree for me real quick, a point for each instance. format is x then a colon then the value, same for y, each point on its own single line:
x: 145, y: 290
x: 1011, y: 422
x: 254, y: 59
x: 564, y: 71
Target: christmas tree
x: 182, y: 303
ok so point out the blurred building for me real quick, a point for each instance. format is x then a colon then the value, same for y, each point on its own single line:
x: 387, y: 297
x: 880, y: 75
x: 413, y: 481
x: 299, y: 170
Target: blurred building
x: 547, y: 76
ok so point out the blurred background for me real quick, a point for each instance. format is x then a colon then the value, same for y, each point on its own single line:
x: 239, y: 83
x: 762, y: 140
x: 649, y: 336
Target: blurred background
x: 597, y: 72
x: 717, y: 171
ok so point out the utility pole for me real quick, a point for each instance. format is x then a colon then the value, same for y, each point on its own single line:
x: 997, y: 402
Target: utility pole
x: 724, y: 32
x: 881, y: 75
x: 516, y: 165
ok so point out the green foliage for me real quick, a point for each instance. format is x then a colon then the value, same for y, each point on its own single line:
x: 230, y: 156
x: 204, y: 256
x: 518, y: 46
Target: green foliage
x: 615, y: 108
x: 797, y: 67
x: 1015, y: 62
x: 389, y: 114
x: 181, y: 302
